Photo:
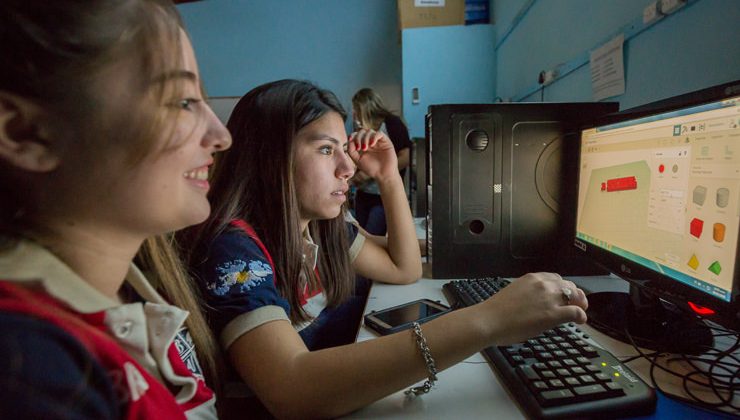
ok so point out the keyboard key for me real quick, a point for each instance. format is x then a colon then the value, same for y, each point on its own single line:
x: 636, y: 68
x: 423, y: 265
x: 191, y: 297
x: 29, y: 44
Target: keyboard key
x: 556, y: 383
x: 557, y: 396
x: 554, y: 364
x: 592, y: 368
x: 545, y: 355
x: 587, y: 379
x: 614, y: 388
x: 572, y: 381
x: 583, y: 361
x: 590, y: 392
x: 539, y: 386
x: 527, y: 373
x: 589, y: 351
x: 603, y: 377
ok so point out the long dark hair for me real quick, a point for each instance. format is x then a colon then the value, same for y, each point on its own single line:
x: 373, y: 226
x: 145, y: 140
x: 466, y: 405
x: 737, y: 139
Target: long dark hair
x: 52, y: 53
x: 254, y: 181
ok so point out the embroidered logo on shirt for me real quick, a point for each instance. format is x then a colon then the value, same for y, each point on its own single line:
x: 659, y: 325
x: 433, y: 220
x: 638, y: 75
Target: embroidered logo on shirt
x: 186, y: 350
x: 238, y: 273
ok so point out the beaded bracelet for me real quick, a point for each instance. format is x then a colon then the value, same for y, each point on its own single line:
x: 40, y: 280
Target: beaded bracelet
x: 428, y: 359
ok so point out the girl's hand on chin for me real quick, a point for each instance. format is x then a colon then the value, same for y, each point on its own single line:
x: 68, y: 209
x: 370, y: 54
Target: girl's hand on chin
x: 373, y: 153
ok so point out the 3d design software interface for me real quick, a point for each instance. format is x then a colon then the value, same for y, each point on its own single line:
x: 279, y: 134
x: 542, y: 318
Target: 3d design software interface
x: 664, y: 191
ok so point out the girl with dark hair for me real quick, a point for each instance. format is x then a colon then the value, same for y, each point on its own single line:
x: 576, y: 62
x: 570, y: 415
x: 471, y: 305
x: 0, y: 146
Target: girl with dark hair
x: 275, y: 265
x: 105, y: 144
x: 291, y: 188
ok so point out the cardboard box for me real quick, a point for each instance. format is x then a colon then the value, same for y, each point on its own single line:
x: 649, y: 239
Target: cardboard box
x: 421, y: 13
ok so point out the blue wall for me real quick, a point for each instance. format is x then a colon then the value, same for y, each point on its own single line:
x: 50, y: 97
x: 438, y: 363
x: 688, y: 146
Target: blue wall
x: 448, y: 64
x: 696, y: 47
x: 343, y: 45
x: 347, y: 44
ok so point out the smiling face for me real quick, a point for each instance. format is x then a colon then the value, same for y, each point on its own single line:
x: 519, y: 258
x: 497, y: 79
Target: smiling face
x: 322, y: 168
x: 170, y: 185
x: 176, y: 178
x: 101, y: 186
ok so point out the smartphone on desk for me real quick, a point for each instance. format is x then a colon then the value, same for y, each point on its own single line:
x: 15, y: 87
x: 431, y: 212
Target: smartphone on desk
x: 400, y: 317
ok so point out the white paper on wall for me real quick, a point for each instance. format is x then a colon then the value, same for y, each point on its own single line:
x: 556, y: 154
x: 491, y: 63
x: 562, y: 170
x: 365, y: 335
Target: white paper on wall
x: 607, y: 69
x: 429, y: 3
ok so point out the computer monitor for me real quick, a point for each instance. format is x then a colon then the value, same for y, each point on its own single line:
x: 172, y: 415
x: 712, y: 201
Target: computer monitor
x: 659, y: 205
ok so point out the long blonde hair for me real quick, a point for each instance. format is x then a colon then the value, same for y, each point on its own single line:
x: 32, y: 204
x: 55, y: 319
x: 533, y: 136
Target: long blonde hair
x: 52, y: 52
x: 159, y: 258
x: 369, y: 108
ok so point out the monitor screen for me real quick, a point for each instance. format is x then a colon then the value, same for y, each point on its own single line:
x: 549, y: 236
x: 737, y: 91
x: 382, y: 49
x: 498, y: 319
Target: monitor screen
x: 663, y: 192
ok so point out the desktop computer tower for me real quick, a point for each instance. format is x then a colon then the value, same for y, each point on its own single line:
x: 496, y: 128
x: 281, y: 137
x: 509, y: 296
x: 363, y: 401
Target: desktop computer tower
x: 501, y: 187
x: 417, y: 192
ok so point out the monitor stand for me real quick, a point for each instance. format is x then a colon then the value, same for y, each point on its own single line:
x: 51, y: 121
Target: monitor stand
x: 651, y: 323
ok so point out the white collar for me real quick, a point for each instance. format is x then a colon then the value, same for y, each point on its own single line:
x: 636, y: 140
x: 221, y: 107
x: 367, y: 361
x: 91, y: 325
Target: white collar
x: 310, y: 249
x: 27, y: 262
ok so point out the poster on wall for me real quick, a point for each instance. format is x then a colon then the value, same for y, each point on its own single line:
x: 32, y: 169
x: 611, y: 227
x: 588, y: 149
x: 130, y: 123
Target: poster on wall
x: 607, y: 69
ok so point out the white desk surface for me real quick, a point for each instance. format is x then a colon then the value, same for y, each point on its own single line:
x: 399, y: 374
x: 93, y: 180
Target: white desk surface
x: 471, y: 389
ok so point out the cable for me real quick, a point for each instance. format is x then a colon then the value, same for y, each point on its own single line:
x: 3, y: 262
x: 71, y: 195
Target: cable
x: 639, y: 356
x: 721, y: 376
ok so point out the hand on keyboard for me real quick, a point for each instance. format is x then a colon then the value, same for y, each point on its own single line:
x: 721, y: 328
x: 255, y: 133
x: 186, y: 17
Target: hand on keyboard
x: 533, y: 303
x: 562, y: 372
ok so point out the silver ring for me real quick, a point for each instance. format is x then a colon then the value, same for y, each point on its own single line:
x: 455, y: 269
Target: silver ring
x: 567, y: 293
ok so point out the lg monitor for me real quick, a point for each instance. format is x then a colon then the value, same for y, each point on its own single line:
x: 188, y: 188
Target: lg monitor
x: 659, y: 205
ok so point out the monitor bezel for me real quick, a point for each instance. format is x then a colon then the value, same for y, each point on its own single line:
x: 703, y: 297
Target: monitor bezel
x: 668, y: 289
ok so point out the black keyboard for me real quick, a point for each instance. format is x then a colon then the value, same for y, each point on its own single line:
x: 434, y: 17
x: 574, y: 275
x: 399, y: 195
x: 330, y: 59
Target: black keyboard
x: 562, y: 373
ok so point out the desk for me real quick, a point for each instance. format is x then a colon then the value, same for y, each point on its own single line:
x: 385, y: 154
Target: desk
x: 471, y: 389
x: 468, y: 388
